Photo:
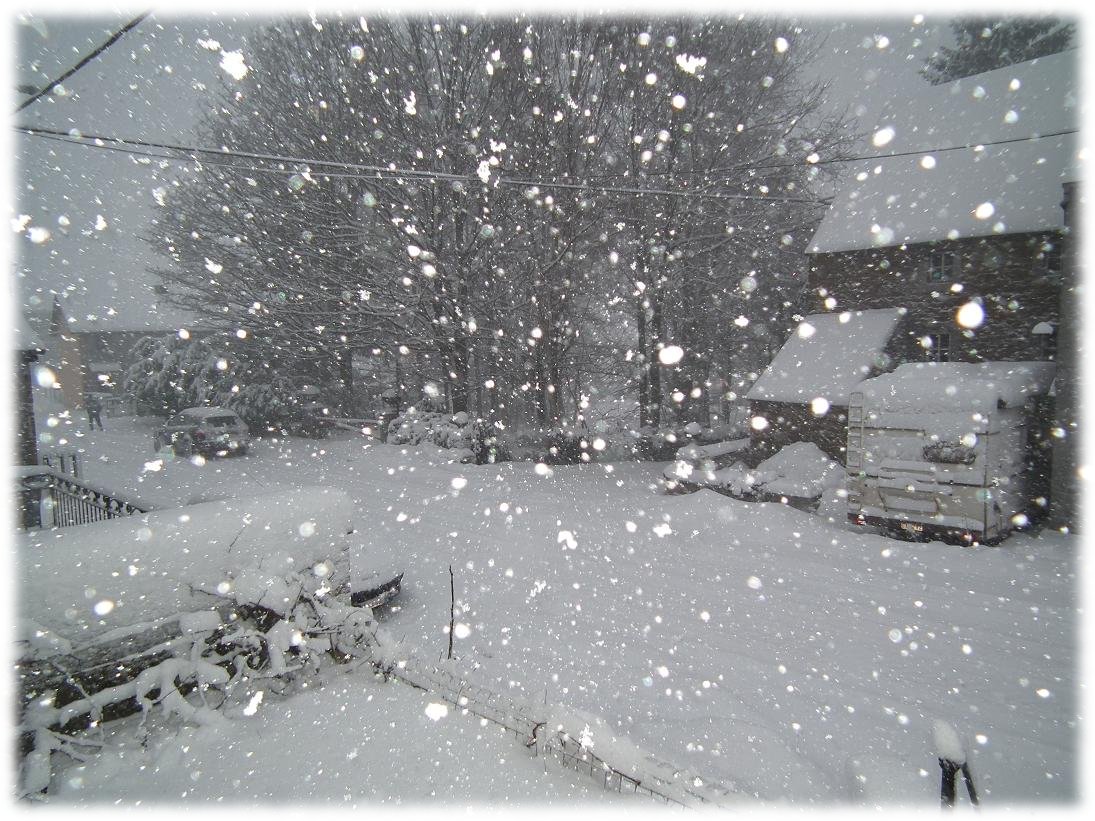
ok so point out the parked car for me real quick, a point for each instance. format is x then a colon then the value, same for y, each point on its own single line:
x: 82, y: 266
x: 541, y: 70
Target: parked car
x: 208, y: 431
x: 312, y: 419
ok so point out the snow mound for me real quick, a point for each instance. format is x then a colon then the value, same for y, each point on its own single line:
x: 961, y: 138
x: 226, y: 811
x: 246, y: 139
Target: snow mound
x: 471, y: 439
x: 80, y: 583
x: 800, y: 470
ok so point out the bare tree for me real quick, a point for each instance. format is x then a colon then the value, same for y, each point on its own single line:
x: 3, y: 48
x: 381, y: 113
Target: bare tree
x: 718, y: 109
x: 464, y: 187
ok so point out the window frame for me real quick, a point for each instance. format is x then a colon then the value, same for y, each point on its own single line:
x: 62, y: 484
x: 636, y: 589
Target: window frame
x: 942, y: 266
x: 940, y: 348
x: 1051, y: 261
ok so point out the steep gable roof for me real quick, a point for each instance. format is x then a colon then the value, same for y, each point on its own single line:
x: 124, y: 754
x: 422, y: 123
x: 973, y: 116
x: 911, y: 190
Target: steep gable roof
x: 826, y: 356
x: 928, y: 194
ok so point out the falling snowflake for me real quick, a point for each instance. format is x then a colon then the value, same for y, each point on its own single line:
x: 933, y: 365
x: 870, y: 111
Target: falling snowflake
x: 232, y: 62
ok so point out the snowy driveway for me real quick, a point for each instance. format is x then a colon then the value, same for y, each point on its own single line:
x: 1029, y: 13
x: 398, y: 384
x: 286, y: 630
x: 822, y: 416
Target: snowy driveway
x: 757, y: 644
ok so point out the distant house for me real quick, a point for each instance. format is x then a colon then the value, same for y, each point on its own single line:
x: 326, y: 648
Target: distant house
x: 934, y: 229
x: 60, y: 361
x: 84, y: 350
x: 27, y: 349
x: 959, y: 226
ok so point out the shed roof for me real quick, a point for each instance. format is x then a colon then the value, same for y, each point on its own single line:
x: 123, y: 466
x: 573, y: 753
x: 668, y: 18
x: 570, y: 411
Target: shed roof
x: 826, y: 356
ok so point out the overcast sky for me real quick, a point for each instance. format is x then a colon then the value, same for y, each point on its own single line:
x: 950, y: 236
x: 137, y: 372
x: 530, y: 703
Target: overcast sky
x: 153, y: 83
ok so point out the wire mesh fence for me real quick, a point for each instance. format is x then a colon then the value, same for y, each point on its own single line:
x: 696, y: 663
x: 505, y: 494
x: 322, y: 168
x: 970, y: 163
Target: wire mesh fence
x: 653, y: 778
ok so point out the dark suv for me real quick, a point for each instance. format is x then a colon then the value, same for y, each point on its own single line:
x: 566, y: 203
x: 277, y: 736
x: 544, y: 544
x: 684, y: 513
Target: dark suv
x: 208, y: 431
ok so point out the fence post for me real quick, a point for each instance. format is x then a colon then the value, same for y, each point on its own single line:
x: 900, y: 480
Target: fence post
x: 952, y: 759
x: 452, y: 608
x: 968, y: 776
x: 946, y: 789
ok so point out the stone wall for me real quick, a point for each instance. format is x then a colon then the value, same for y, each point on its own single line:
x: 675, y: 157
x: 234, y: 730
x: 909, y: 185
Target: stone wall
x: 1011, y: 275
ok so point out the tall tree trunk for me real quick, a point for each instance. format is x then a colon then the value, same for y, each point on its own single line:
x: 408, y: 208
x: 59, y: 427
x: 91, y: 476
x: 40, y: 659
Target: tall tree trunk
x: 644, y: 354
x: 344, y: 360
x: 657, y: 334
x: 456, y: 374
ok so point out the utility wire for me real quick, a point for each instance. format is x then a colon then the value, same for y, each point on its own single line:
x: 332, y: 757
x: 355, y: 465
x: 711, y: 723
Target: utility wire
x: 863, y: 158
x: 113, y: 38
x: 363, y: 171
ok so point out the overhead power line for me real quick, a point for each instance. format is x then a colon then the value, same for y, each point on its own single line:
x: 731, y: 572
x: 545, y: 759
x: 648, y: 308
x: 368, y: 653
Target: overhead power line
x: 863, y: 158
x: 365, y: 171
x: 224, y: 158
x: 113, y: 39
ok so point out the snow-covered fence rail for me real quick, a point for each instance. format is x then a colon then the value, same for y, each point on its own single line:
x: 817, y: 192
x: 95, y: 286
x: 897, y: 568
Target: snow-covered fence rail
x: 617, y: 765
x: 65, y: 500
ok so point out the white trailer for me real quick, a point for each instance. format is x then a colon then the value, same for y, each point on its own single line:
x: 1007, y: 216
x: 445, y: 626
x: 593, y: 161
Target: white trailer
x: 952, y: 450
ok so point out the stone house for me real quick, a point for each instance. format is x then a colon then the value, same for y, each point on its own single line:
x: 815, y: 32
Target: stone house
x: 957, y: 224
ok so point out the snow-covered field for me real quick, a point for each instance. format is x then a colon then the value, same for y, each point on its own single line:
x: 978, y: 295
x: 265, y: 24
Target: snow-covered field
x: 762, y: 646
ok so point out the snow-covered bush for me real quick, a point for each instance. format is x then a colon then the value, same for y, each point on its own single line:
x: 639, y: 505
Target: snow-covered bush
x: 567, y: 446
x: 260, y: 405
x: 475, y: 439
x: 801, y: 471
x: 166, y: 375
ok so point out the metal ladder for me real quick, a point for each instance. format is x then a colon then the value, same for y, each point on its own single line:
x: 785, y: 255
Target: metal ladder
x: 854, y: 453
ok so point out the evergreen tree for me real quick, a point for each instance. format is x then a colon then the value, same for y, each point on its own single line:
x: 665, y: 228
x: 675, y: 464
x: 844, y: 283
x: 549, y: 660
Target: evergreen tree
x: 983, y: 44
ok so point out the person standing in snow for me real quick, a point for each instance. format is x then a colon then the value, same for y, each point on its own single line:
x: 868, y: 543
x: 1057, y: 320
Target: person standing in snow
x: 94, y: 411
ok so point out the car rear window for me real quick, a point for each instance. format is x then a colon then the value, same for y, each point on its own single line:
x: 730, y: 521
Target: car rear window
x: 221, y: 421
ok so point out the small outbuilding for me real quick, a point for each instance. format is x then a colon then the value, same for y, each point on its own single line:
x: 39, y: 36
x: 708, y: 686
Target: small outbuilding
x: 803, y: 394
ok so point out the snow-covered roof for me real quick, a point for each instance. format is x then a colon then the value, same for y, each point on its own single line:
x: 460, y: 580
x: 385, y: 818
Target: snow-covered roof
x: 27, y: 336
x: 931, y: 194
x: 110, y: 306
x: 205, y: 413
x: 924, y: 387
x: 826, y: 356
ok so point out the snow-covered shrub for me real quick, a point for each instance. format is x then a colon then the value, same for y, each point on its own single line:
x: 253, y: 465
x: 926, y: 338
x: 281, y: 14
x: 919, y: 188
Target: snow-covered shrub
x: 800, y: 471
x: 166, y: 375
x: 474, y: 437
x: 260, y: 405
x: 567, y: 446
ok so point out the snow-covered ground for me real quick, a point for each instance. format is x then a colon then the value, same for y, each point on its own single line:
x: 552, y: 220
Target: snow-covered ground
x: 762, y: 646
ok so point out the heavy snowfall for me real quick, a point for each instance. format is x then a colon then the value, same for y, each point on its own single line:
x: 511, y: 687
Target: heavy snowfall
x: 500, y: 410
x: 767, y: 649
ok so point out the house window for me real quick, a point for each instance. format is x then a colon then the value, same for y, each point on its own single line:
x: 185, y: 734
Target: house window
x: 937, y: 347
x: 1049, y: 260
x: 1045, y: 339
x: 942, y: 266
